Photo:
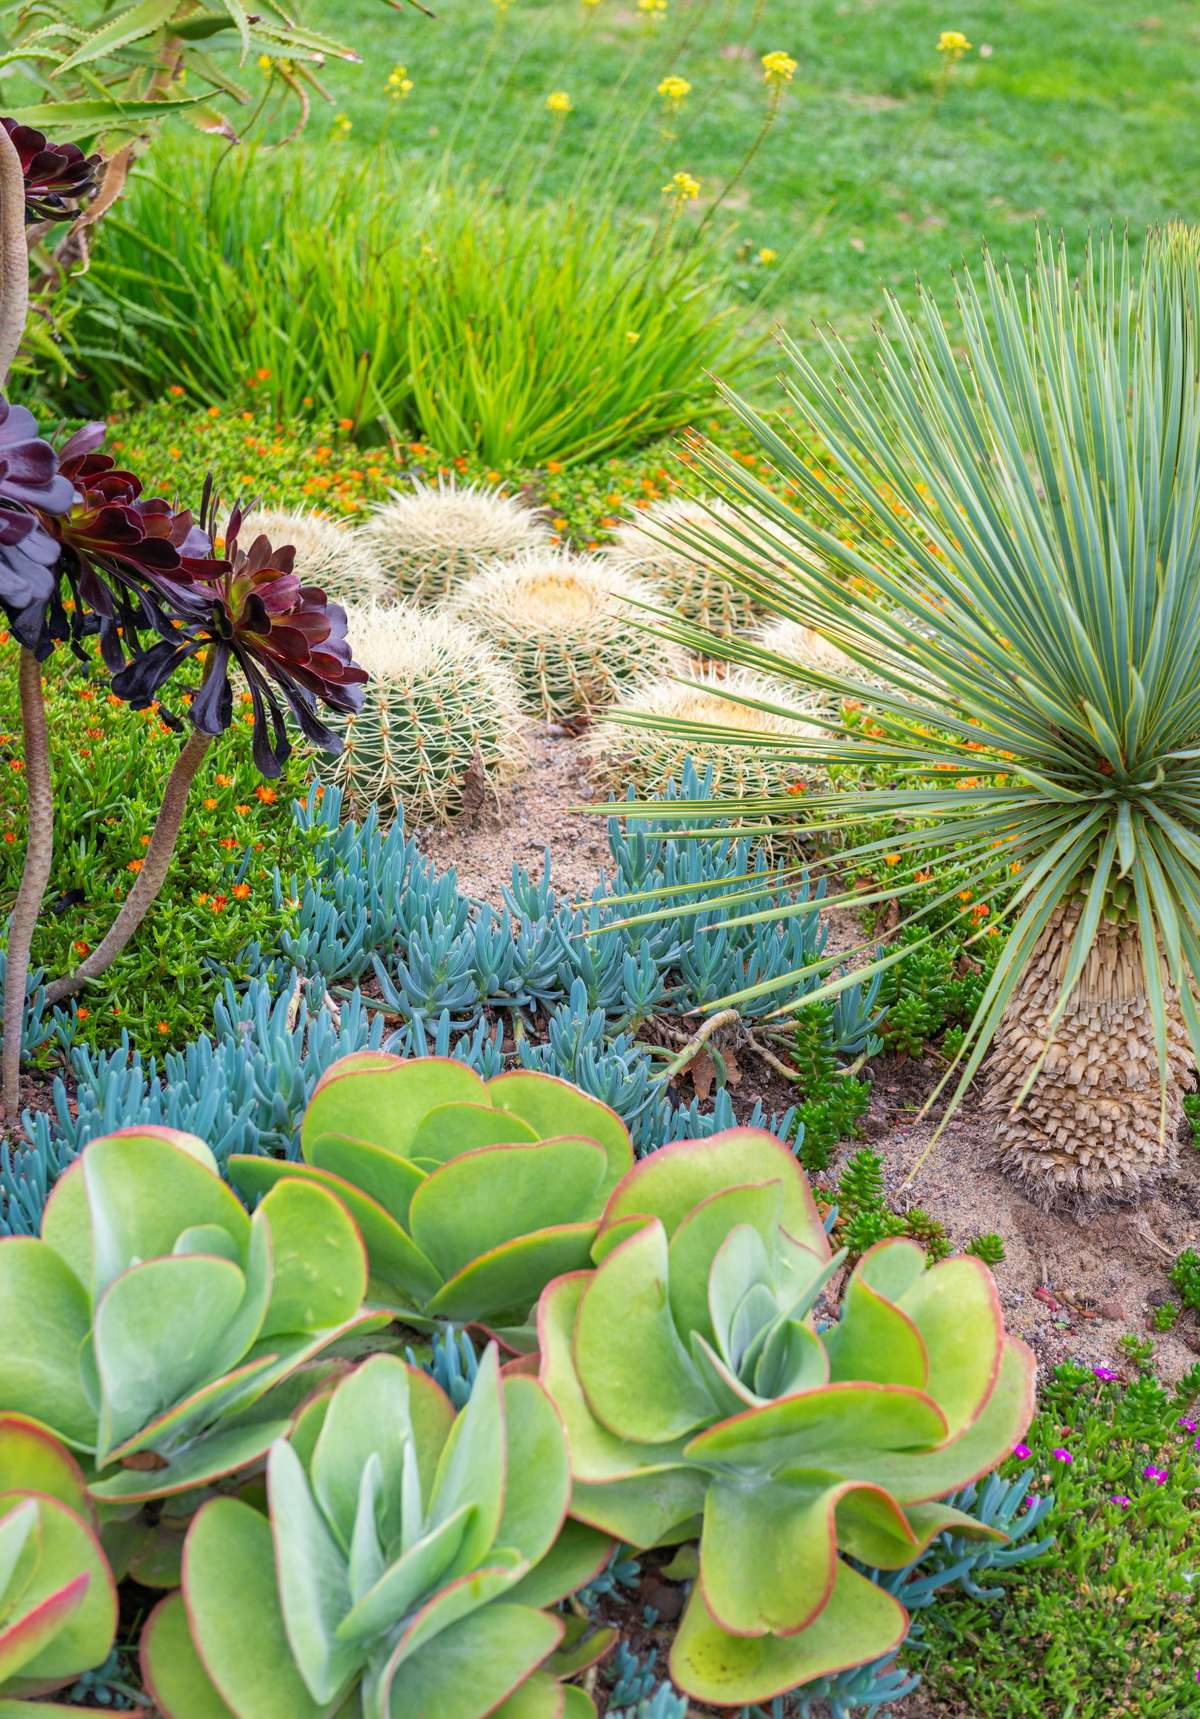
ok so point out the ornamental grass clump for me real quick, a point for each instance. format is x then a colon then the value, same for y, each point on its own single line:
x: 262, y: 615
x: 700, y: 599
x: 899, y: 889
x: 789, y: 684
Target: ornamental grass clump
x: 439, y: 729
x: 736, y: 730
x: 401, y: 1567
x: 471, y: 1194
x: 328, y: 552
x: 1025, y: 579
x: 429, y: 541
x: 698, y: 1386
x: 571, y: 627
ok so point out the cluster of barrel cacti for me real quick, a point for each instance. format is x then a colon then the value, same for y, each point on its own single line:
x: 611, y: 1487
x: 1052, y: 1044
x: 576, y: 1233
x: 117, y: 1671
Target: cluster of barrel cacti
x: 472, y: 620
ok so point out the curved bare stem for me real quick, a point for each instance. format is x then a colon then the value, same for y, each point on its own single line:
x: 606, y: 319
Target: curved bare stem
x: 14, y: 255
x: 150, y: 879
x: 39, y: 851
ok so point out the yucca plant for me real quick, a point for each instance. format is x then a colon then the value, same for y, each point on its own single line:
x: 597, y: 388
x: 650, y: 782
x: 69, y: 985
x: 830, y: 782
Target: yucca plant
x: 1009, y: 538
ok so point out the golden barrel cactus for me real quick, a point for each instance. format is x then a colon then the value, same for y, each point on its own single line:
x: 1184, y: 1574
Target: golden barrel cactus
x: 440, y: 725
x: 329, y: 552
x: 683, y: 545
x: 751, y: 752
x: 431, y: 538
x: 570, y: 627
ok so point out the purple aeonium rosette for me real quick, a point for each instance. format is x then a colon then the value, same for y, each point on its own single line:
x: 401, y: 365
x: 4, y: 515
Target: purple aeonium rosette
x: 31, y: 489
x: 251, y: 612
x: 118, y: 545
x: 59, y: 178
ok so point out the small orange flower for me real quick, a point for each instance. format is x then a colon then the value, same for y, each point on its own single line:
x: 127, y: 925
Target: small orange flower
x: 268, y: 796
x: 923, y: 877
x: 163, y: 1028
x: 82, y: 1014
x: 145, y: 841
x: 9, y: 837
x: 228, y: 842
x: 175, y: 390
x: 135, y: 865
x: 797, y: 787
x: 345, y: 423
x: 241, y: 810
x: 966, y: 894
x: 209, y: 805
x: 80, y: 947
x: 15, y: 764
x: 219, y: 903
x: 553, y: 465
x: 224, y: 781
x: 241, y: 890
x: 891, y: 859
x: 201, y: 900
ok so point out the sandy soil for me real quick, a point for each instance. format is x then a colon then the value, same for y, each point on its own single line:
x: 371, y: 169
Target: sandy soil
x: 1070, y: 1288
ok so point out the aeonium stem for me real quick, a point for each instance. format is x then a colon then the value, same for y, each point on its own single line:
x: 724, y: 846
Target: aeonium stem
x: 35, y: 875
x: 14, y: 255
x: 149, y: 879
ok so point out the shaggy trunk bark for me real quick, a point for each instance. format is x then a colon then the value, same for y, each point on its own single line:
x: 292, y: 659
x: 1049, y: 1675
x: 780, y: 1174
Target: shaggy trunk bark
x: 150, y: 879
x: 39, y: 852
x: 1089, y: 1128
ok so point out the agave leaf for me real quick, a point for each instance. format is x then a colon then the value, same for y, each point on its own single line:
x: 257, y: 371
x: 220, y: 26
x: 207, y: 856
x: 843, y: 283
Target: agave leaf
x: 860, y: 1622
x: 129, y: 26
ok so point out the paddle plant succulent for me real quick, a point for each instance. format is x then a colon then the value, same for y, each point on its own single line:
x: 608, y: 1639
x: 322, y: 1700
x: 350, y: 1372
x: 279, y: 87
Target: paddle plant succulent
x: 401, y: 1570
x: 700, y: 1394
x: 58, y: 1602
x: 1009, y: 539
x: 160, y: 1326
x: 471, y: 1194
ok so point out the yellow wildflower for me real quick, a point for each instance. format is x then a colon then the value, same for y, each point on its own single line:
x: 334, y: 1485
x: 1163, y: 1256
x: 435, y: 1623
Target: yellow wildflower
x: 558, y: 101
x: 682, y: 188
x: 767, y: 256
x: 655, y: 7
x: 343, y: 125
x: 673, y: 90
x: 399, y: 83
x: 778, y: 67
x: 952, y: 45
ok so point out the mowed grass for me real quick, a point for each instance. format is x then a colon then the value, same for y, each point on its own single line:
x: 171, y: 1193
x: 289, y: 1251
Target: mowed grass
x: 877, y: 170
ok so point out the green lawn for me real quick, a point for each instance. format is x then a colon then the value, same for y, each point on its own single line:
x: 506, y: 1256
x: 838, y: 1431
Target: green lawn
x: 1072, y: 115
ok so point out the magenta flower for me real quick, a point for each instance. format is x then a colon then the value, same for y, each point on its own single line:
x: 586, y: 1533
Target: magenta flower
x: 1105, y: 1373
x: 1020, y: 1451
x: 1186, y: 1422
x: 1122, y: 1499
x: 1157, y: 1475
x: 1061, y: 1455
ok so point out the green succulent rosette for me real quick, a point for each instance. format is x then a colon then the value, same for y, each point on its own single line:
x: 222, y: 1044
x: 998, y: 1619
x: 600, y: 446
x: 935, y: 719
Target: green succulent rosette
x: 401, y: 1571
x: 164, y: 1334
x: 471, y: 1194
x: 701, y: 1395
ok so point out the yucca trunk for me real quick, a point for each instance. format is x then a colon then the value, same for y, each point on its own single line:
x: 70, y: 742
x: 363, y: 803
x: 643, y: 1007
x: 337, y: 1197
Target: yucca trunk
x: 1091, y: 1125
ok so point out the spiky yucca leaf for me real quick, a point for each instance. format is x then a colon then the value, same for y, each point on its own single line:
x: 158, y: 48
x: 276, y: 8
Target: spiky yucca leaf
x: 1025, y: 576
